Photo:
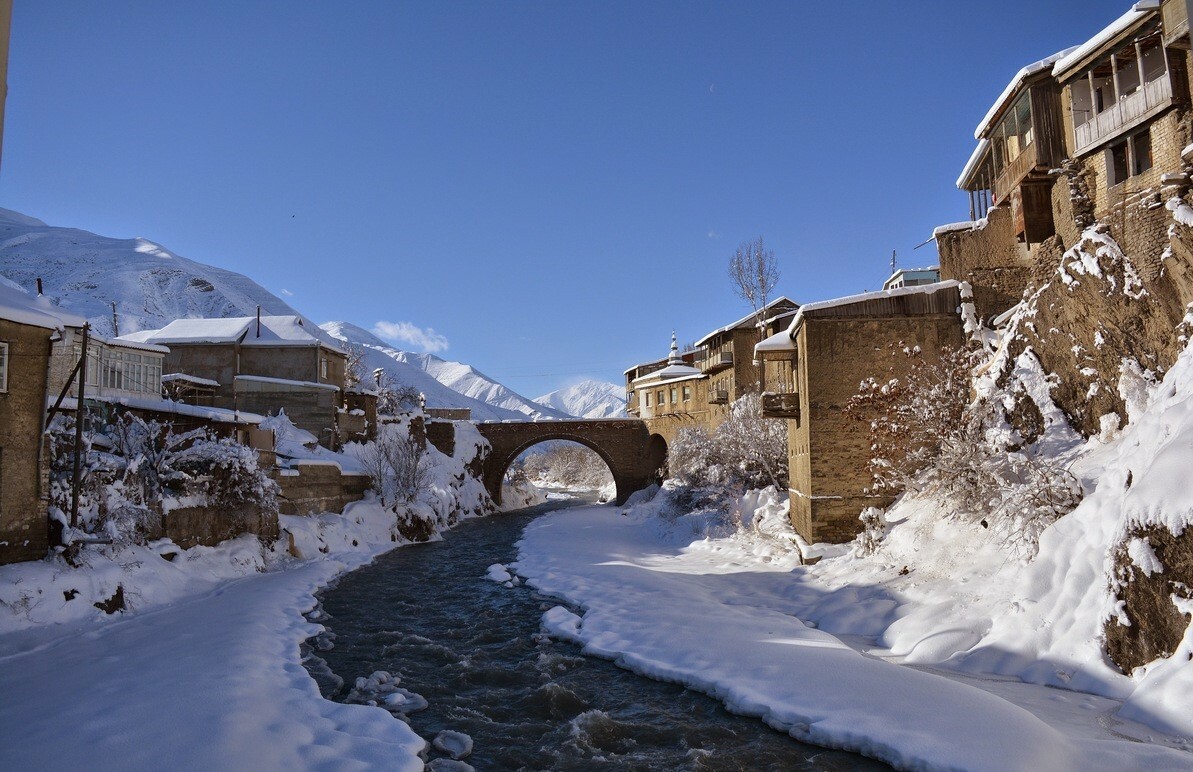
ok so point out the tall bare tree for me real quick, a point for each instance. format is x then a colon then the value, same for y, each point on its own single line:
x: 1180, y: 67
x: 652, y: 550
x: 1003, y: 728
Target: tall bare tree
x: 754, y: 273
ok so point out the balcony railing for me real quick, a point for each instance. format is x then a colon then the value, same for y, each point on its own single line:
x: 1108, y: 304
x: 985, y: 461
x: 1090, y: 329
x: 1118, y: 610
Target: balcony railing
x: 1127, y: 113
x: 716, y: 360
x: 780, y: 406
x: 718, y: 396
x: 1014, y: 172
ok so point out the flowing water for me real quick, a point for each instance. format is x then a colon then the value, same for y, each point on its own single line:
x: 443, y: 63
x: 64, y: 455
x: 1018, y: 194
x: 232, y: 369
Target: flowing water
x: 472, y: 648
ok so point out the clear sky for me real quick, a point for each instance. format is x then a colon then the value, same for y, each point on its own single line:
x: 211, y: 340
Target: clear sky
x: 545, y: 188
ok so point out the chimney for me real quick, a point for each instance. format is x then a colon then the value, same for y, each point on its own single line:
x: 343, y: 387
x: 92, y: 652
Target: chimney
x: 258, y: 321
x: 115, y: 322
x: 39, y: 286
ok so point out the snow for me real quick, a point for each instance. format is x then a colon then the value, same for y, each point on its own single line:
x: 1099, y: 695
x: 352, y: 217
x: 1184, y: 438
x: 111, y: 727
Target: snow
x: 922, y: 289
x: 738, y: 617
x: 83, y: 273
x: 159, y: 405
x: 780, y: 341
x: 1076, y: 55
x: 18, y: 306
x: 965, y: 225
x: 1181, y: 212
x: 445, y: 384
x: 204, y: 672
x: 975, y: 158
x: 1144, y: 558
x: 587, y: 399
x: 455, y: 744
x: 185, y: 378
x: 1014, y: 86
x: 749, y: 320
x: 287, y: 382
x: 288, y: 330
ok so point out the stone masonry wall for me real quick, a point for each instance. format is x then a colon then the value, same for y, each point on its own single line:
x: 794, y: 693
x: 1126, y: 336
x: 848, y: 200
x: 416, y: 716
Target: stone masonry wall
x: 990, y: 258
x: 828, y: 452
x: 23, y: 530
x: 318, y: 488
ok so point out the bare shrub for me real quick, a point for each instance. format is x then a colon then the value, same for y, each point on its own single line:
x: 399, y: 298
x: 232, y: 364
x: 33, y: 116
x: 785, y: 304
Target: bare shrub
x: 396, y: 465
x: 927, y: 437
x: 746, y: 452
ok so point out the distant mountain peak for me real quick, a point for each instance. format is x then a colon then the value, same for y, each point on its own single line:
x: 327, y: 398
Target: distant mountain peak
x: 587, y: 399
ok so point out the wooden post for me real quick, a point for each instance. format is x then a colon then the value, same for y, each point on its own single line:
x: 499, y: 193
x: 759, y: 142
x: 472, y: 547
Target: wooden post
x: 1114, y: 77
x: 77, y: 482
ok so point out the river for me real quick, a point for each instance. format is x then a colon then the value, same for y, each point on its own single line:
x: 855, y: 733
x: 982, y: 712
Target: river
x: 473, y: 649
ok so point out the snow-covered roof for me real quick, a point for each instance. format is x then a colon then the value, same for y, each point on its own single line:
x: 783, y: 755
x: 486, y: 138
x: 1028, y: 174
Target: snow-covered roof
x: 810, y: 308
x: 132, y: 344
x: 192, y: 379
x: 159, y: 405
x: 286, y: 330
x: 747, y: 319
x: 1078, y: 54
x: 23, y: 308
x: 975, y: 159
x: 287, y: 382
x: 664, y: 381
x: 780, y: 341
x: 1014, y: 86
x: 965, y: 225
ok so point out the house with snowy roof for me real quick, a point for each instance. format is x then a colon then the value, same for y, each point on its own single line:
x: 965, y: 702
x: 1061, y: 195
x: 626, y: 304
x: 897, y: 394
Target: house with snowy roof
x: 1098, y: 132
x: 668, y: 394
x: 813, y: 366
x: 726, y: 356
x: 260, y: 364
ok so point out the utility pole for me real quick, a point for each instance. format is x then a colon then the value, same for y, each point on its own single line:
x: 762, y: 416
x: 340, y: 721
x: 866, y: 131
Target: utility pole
x: 77, y: 483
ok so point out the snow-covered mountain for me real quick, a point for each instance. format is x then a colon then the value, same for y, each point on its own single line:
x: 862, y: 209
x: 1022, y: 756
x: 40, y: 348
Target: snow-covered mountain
x: 84, y: 273
x: 588, y: 399
x: 446, y: 384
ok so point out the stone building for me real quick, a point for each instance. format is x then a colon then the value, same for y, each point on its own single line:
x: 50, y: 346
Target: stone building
x: 820, y: 358
x: 1094, y: 133
x: 29, y: 330
x: 669, y: 394
x: 261, y: 365
x: 726, y: 356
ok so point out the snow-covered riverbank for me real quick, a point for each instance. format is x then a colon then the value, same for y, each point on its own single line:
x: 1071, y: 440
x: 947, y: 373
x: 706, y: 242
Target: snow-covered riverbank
x: 722, y: 615
x: 207, y: 675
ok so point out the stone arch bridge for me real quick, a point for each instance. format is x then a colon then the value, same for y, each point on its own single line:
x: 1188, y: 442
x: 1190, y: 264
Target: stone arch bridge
x: 627, y: 447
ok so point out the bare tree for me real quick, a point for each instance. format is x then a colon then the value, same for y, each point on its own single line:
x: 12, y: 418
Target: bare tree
x: 754, y: 273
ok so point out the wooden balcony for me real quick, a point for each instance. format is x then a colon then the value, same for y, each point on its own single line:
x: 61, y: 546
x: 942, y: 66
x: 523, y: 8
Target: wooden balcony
x: 780, y: 406
x: 1126, y: 114
x: 1014, y: 172
x: 716, y: 361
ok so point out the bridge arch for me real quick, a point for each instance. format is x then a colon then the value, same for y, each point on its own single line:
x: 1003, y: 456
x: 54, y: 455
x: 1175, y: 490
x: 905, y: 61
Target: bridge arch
x: 624, y: 446
x: 656, y: 454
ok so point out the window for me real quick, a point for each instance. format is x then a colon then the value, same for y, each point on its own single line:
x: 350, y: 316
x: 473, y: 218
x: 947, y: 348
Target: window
x: 1128, y: 158
x: 323, y: 367
x: 687, y: 393
x: 673, y: 395
x: 646, y: 395
x: 661, y: 397
x: 3, y: 367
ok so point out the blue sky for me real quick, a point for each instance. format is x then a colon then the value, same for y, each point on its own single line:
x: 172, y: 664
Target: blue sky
x: 548, y: 188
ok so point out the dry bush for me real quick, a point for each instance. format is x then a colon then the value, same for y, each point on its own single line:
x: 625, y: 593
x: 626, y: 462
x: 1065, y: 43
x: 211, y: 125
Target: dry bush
x: 746, y: 452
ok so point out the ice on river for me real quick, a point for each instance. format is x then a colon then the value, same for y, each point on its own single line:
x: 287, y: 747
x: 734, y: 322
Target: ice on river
x: 454, y: 744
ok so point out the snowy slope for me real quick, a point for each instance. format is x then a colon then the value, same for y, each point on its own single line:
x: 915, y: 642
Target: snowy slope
x: 83, y: 273
x: 470, y: 382
x: 407, y: 368
x: 588, y: 399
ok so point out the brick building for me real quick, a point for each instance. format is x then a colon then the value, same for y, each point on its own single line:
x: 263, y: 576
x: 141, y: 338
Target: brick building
x: 669, y: 394
x: 1092, y: 133
x: 261, y: 365
x: 814, y: 367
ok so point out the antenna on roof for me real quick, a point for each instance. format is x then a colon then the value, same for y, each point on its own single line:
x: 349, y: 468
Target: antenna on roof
x: 115, y: 322
x: 894, y: 260
x: 258, y: 321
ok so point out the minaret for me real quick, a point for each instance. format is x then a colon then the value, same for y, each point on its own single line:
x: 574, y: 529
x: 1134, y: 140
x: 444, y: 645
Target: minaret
x: 674, y: 358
